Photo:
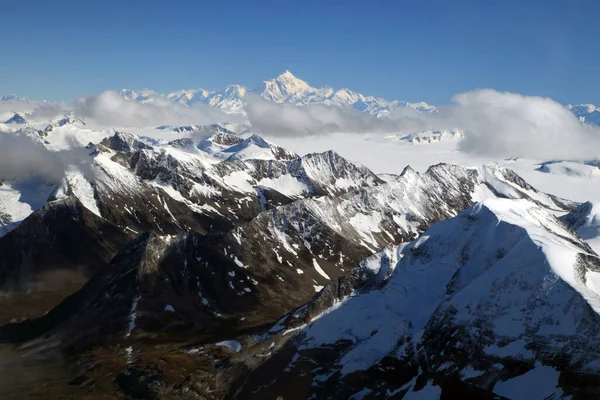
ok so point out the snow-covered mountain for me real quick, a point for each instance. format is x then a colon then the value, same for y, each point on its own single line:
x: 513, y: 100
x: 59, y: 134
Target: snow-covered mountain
x: 585, y: 220
x: 261, y: 272
x: 286, y: 88
x: 588, y: 113
x: 217, y: 236
x: 499, y: 300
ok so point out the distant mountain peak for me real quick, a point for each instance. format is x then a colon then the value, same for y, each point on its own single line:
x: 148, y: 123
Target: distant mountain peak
x: 12, y: 97
x: 285, y: 87
x: 16, y: 119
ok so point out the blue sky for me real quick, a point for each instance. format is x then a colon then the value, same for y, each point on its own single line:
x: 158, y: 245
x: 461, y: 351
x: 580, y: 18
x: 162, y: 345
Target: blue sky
x: 424, y: 50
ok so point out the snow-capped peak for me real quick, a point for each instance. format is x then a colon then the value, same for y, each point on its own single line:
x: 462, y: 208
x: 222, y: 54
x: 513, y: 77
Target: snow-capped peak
x: 285, y: 87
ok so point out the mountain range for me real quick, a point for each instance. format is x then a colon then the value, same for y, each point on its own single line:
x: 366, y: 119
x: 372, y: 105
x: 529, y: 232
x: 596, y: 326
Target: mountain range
x: 209, y: 262
x: 287, y: 88
x: 225, y: 266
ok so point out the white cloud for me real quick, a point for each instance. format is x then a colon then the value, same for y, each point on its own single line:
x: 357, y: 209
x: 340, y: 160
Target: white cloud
x: 289, y: 120
x: 9, y: 108
x: 496, y: 124
x: 508, y: 124
x: 20, y: 157
x: 111, y: 110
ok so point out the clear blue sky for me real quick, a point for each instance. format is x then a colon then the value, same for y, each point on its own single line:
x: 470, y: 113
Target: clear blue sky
x: 409, y: 50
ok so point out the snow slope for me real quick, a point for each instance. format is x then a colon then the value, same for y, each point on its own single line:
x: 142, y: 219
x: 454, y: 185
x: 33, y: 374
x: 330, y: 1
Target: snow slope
x: 19, y: 198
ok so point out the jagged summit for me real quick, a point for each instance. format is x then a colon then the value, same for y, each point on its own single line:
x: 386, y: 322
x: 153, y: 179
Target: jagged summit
x: 286, y: 87
x: 123, y: 142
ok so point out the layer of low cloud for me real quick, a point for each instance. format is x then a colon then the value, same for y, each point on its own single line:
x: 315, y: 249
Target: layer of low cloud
x: 22, y: 157
x: 508, y: 124
x: 9, y: 108
x: 495, y: 124
x: 111, y: 110
x: 290, y: 120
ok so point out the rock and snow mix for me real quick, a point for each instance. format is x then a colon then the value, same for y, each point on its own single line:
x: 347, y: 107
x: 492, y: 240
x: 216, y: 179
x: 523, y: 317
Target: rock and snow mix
x: 468, y: 274
x: 503, y: 282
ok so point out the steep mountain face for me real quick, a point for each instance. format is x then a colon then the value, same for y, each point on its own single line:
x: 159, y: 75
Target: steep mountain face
x: 585, y: 220
x: 196, y: 184
x: 286, y: 88
x: 311, y: 240
x: 184, y: 187
x: 507, y: 303
x: 62, y: 239
x: 190, y: 248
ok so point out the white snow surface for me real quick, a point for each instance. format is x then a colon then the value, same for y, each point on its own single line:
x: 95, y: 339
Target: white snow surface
x: 19, y: 198
x: 82, y: 189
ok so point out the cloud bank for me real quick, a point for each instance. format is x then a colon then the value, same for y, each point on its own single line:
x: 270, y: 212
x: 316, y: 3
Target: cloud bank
x: 508, y: 124
x: 290, y: 120
x: 111, y: 110
x: 495, y: 124
x: 21, y: 157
